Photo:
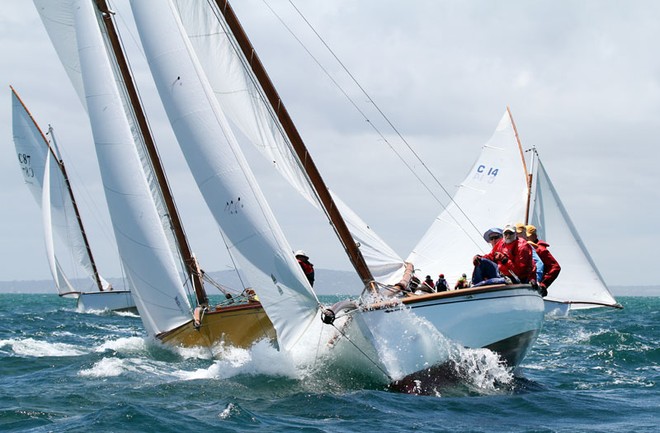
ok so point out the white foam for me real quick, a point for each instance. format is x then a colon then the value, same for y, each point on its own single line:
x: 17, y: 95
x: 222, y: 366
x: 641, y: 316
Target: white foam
x: 226, y: 413
x: 107, y: 367
x: 38, y: 348
x: 124, y: 345
x: 261, y: 358
x: 126, y: 314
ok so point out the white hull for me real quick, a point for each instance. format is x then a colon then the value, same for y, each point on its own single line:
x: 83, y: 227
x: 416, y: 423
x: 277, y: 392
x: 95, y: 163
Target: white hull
x: 504, y: 319
x: 116, y: 300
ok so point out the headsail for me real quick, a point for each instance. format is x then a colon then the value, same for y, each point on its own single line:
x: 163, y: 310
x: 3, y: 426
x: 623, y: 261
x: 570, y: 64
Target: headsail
x: 579, y: 283
x: 146, y: 256
x: 493, y: 194
x: 227, y: 184
x: 59, y: 277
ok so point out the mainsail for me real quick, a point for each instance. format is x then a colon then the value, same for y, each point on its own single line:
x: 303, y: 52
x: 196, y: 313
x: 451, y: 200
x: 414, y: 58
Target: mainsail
x: 45, y: 176
x: 579, y: 283
x: 251, y: 233
x: 493, y: 193
x: 245, y: 104
x: 146, y: 256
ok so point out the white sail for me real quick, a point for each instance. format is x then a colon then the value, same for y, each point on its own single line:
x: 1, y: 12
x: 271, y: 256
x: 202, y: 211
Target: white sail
x: 227, y: 184
x: 66, y: 249
x: 59, y: 23
x: 62, y: 283
x: 579, y: 282
x: 493, y: 194
x: 244, y: 103
x: 146, y: 257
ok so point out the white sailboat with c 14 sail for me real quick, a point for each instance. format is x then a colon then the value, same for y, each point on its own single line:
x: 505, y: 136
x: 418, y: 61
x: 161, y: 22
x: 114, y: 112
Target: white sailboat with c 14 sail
x: 68, y: 252
x: 166, y: 281
x: 198, y: 54
x: 503, y: 187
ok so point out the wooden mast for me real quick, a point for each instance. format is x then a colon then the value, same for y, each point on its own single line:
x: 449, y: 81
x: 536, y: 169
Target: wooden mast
x: 184, y: 249
x: 528, y: 175
x: 60, y: 164
x: 337, y: 221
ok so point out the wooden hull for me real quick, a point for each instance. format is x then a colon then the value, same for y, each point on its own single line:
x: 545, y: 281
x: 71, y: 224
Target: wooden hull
x: 238, y: 325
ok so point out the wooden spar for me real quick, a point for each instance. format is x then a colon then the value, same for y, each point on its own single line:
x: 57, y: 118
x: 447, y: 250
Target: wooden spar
x: 530, y: 179
x: 528, y: 176
x: 177, y: 227
x: 337, y: 221
x: 60, y: 164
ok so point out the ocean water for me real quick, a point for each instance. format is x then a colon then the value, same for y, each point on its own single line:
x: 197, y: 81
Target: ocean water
x: 63, y: 371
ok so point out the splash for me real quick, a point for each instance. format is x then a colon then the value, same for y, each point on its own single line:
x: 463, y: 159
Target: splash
x: 482, y: 369
x: 466, y: 372
x: 261, y: 358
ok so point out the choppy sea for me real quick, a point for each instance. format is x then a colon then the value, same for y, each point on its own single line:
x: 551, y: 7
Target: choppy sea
x: 63, y: 371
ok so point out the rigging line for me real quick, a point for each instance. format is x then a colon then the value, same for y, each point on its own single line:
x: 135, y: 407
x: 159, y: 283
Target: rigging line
x: 84, y: 194
x: 231, y: 257
x: 341, y: 89
x: 225, y: 290
x: 363, y: 353
x: 318, y: 348
x: 379, y: 111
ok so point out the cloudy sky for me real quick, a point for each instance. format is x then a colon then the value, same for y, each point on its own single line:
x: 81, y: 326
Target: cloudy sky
x: 582, y: 79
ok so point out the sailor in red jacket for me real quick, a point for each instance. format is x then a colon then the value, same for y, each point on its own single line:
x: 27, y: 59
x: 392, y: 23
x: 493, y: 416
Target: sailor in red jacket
x: 551, y: 267
x: 513, y: 257
x: 306, y: 265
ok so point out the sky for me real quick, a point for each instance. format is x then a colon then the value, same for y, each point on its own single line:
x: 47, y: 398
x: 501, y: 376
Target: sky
x: 582, y: 80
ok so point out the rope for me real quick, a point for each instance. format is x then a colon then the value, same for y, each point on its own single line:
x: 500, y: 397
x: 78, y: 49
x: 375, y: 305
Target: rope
x: 363, y: 353
x: 382, y: 114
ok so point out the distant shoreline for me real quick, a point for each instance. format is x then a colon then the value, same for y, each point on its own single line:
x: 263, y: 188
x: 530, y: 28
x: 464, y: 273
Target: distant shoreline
x: 328, y: 282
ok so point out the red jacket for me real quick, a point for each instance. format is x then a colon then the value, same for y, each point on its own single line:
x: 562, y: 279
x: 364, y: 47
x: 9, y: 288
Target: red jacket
x: 515, y: 257
x: 551, y: 267
x: 308, y: 269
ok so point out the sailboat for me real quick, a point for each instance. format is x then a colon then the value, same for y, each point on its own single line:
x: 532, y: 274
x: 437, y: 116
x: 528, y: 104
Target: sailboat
x: 210, y: 81
x: 500, y: 188
x: 46, y: 177
x: 165, y: 278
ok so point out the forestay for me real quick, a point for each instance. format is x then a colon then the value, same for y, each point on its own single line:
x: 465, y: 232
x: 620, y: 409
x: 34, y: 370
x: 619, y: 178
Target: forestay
x: 251, y: 232
x: 146, y: 257
x: 493, y: 194
x: 579, y: 282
